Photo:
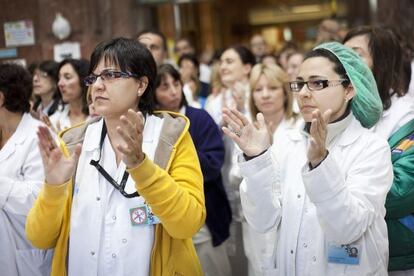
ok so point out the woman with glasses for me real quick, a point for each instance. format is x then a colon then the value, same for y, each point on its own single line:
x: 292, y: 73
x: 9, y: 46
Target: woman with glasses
x: 73, y: 92
x: 320, y: 192
x: 130, y: 199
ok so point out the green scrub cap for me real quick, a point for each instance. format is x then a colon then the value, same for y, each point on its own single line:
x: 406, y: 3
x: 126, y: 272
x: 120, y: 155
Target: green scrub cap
x: 366, y: 104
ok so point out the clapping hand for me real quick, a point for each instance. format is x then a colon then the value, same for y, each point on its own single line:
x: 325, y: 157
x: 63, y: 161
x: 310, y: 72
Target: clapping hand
x: 251, y: 138
x: 318, y: 131
x: 131, y: 132
x: 58, y: 167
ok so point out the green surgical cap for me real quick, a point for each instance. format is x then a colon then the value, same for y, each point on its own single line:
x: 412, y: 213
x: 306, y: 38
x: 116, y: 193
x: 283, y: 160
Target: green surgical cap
x: 366, y: 104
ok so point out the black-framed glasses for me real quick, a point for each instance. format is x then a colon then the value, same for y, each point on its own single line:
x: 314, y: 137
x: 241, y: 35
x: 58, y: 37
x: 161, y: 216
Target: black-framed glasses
x: 119, y: 186
x: 315, y: 85
x: 108, y: 75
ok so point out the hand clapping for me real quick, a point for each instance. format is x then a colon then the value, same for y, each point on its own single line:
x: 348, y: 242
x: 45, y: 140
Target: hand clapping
x: 131, y: 132
x: 251, y: 139
x: 318, y: 131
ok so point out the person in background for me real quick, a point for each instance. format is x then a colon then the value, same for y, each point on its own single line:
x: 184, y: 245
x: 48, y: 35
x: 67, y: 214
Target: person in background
x: 182, y: 47
x: 381, y: 50
x: 156, y: 43
x: 21, y: 175
x: 137, y: 197
x: 287, y: 49
x: 269, y: 59
x: 258, y: 46
x: 45, y: 89
x: 74, y: 95
x: 210, y: 240
x: 321, y: 191
x: 235, y: 65
x: 195, y: 90
x: 328, y: 30
x: 294, y: 60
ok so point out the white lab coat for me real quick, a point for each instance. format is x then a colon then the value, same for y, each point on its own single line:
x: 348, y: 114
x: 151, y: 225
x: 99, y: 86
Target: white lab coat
x: 21, y: 177
x: 103, y: 240
x: 392, y: 119
x: 340, y: 202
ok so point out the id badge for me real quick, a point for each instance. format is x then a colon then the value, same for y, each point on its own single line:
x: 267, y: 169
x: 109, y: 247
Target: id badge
x: 142, y: 215
x: 344, y: 254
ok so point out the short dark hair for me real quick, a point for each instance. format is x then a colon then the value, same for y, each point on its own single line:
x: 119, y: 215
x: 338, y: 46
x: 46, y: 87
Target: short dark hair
x: 168, y: 69
x: 131, y: 56
x: 388, y: 60
x: 191, y: 58
x: 16, y: 86
x: 50, y: 67
x: 244, y: 53
x: 338, y: 67
x: 81, y: 67
x: 157, y: 33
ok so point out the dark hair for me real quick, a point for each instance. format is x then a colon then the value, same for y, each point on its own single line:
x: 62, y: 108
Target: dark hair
x: 244, y: 53
x: 16, y: 86
x: 388, y: 62
x: 132, y: 56
x: 50, y: 67
x: 168, y: 69
x: 157, y: 33
x: 81, y: 67
x: 191, y: 58
x: 338, y: 67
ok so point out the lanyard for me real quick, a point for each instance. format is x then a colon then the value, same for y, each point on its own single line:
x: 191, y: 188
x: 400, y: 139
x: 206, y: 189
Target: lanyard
x: 120, y: 187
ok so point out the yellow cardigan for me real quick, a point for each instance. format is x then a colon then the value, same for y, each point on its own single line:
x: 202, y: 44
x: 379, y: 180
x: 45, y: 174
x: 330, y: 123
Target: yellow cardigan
x: 175, y: 195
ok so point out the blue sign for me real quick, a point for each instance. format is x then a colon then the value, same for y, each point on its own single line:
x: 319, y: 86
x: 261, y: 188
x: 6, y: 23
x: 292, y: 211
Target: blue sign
x: 8, y: 53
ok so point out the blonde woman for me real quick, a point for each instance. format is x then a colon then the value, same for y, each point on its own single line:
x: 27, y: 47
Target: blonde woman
x: 269, y: 96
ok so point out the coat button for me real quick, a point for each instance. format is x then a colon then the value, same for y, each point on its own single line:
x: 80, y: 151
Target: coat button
x: 98, y: 198
x: 124, y: 240
x: 305, y: 245
x: 291, y: 251
x: 114, y: 217
x: 314, y: 258
x: 113, y: 255
x: 298, y: 196
x: 93, y: 253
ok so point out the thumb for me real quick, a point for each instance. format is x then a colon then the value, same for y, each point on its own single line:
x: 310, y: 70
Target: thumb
x: 260, y: 120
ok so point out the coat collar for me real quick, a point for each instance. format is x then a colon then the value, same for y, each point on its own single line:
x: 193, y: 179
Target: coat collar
x: 95, y: 128
x: 349, y: 126
x: 26, y: 128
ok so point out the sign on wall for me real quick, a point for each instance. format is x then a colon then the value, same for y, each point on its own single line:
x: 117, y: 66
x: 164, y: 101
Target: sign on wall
x: 19, y: 33
x: 66, y: 50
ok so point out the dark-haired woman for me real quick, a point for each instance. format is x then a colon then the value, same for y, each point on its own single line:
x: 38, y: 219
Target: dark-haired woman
x: 21, y: 175
x: 320, y: 191
x: 73, y: 92
x: 209, y: 241
x: 380, y: 48
x: 136, y: 198
x: 45, y: 90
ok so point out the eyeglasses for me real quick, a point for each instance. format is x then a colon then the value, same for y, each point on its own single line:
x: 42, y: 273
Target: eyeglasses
x: 108, y: 75
x: 315, y: 85
x: 41, y: 74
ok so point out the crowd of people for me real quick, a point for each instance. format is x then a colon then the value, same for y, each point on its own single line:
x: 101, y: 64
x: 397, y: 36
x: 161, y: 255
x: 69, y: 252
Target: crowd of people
x: 131, y: 163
